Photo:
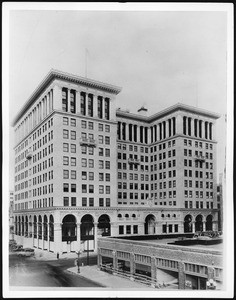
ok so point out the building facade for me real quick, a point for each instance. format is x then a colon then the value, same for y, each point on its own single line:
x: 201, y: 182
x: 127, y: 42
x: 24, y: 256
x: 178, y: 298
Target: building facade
x: 84, y: 169
x: 11, y: 217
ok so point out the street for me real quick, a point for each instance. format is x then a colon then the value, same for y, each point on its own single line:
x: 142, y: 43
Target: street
x: 27, y: 271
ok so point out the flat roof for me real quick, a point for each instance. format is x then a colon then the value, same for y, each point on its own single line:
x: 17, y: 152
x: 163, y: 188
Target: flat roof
x: 177, y: 107
x: 55, y: 74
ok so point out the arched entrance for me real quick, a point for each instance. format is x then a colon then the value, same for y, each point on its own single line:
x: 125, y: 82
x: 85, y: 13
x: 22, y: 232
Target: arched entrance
x: 188, y: 227
x: 40, y: 228
x: 87, y: 232
x: 69, y: 228
x: 26, y: 226
x: 16, y: 226
x: 45, y: 228
x: 104, y: 227
x: 209, y: 222
x: 35, y: 227
x: 23, y: 226
x: 198, y: 223
x: 149, y: 227
x: 51, y: 228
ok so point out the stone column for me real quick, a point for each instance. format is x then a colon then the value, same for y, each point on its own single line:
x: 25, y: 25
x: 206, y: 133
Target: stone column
x: 58, y: 237
x: 77, y: 101
x: 95, y: 236
x: 192, y: 127
x: 193, y: 227
x: 132, y: 266
x: 153, y: 271
x: 115, y: 261
x: 48, y: 236
x: 78, y: 236
x: 167, y: 128
x: 127, y: 131
x: 204, y: 226
x: 214, y: 225
x: 181, y: 275
x: 179, y: 124
x: 210, y: 273
x: 95, y: 106
x: 138, y: 133
x: 114, y: 230
x: 48, y: 103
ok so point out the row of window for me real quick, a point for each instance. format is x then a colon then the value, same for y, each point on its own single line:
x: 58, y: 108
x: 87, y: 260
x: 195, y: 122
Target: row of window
x: 198, y: 174
x: 198, y: 204
x: 198, y: 144
x: 189, y: 194
x: 86, y: 124
x: 198, y: 184
x: 208, y: 155
x: 86, y: 188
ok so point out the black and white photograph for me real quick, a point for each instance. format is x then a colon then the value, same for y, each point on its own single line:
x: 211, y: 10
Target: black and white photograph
x: 117, y: 150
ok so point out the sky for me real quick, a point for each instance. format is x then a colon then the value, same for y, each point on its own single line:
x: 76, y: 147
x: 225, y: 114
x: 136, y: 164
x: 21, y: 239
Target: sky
x: 159, y: 58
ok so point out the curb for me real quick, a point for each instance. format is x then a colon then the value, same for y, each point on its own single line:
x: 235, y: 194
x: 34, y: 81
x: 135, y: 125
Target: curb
x: 79, y: 274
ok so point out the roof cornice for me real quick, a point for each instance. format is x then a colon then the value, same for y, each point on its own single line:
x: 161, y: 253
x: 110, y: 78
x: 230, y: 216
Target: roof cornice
x: 55, y: 74
x: 167, y: 111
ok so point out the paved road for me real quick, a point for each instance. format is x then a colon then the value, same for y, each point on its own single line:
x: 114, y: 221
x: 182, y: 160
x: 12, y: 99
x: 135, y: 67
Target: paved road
x: 39, y: 273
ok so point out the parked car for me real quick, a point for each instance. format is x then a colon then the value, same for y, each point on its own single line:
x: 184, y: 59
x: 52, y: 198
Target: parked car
x: 26, y: 252
x: 17, y: 248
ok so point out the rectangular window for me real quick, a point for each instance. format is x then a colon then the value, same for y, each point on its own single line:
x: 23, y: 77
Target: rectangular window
x: 84, y: 162
x: 100, y: 127
x: 91, y: 201
x: 65, y: 121
x: 107, y: 128
x: 73, y: 148
x: 108, y: 202
x: 65, y: 174
x: 73, y: 201
x: 91, y: 189
x: 83, y: 124
x: 84, y: 201
x: 73, y: 188
x: 65, y: 160
x: 73, y: 174
x: 101, y: 202
x: 73, y: 161
x: 65, y: 134
x: 101, y: 189
x: 91, y: 163
x: 121, y: 229
x: 73, y: 122
x: 65, y: 147
x: 128, y: 229
x: 73, y: 135
x: 66, y: 201
x: 91, y: 176
x: 84, y: 188
x: 84, y: 175
x: 65, y: 187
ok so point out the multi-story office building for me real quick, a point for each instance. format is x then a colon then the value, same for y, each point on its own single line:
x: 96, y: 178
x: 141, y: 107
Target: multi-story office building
x: 84, y: 169
x: 11, y: 218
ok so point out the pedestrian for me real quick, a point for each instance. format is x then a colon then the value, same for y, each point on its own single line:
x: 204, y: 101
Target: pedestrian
x: 78, y: 265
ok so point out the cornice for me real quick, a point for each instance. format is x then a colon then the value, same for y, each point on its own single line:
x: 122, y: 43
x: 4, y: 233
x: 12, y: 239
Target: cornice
x: 167, y: 111
x: 55, y: 74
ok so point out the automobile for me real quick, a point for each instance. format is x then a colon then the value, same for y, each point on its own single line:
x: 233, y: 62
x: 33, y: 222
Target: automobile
x: 17, y: 248
x: 26, y: 252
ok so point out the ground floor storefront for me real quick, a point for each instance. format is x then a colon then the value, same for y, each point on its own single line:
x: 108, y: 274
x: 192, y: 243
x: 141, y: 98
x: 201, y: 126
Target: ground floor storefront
x: 64, y: 230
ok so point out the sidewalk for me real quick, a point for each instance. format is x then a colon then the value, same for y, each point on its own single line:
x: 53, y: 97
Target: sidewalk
x: 106, y: 279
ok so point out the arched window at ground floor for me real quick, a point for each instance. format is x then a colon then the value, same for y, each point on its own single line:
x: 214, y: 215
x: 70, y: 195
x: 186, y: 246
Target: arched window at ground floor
x: 149, y: 226
x: 51, y: 228
x: 87, y: 228
x: 188, y: 226
x: 104, y: 226
x: 69, y: 228
x: 209, y: 219
x: 198, y: 223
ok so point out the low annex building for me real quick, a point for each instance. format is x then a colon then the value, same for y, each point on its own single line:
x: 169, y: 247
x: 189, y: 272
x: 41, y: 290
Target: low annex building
x: 84, y: 169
